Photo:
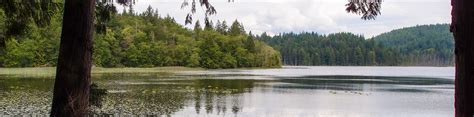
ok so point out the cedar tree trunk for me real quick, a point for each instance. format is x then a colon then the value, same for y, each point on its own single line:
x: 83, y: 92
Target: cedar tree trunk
x: 462, y: 27
x: 72, y: 84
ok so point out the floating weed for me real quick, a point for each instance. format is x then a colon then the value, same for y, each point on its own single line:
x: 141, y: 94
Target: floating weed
x: 350, y: 92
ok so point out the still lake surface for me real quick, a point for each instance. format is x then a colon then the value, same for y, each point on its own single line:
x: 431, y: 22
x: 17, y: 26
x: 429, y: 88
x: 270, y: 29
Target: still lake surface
x: 290, y: 91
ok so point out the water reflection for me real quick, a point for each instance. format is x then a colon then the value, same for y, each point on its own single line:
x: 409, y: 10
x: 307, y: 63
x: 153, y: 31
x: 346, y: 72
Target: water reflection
x: 237, y: 95
x: 25, y: 96
x: 216, y: 93
x: 97, y: 95
x: 365, y: 83
x: 165, y: 96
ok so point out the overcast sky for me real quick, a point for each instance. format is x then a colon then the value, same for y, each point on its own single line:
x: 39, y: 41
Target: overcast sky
x: 323, y: 16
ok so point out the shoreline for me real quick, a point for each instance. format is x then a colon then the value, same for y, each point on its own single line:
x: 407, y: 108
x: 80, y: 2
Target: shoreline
x: 48, y: 72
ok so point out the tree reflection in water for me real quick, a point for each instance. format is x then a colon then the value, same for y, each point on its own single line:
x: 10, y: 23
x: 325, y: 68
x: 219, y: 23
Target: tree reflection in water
x: 96, y: 95
x: 165, y: 97
x: 207, y: 95
x: 132, y: 94
x: 217, y: 92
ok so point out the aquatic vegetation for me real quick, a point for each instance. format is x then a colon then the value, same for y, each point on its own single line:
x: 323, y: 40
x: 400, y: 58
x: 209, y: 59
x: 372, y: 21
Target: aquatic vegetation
x: 227, y: 92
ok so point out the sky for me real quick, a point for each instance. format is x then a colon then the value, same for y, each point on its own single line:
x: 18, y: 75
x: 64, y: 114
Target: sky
x: 322, y: 16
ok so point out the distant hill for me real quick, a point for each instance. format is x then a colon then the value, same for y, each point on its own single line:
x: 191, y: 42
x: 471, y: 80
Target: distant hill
x: 421, y: 45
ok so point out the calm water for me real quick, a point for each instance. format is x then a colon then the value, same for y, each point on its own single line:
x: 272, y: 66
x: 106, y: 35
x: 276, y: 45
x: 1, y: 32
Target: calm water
x: 290, y: 91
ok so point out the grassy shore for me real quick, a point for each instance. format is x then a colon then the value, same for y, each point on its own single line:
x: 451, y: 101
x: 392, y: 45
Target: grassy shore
x: 50, y: 71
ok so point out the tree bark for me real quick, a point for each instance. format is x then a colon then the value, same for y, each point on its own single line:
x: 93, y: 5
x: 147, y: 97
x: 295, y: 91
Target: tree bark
x: 462, y: 27
x: 72, y: 85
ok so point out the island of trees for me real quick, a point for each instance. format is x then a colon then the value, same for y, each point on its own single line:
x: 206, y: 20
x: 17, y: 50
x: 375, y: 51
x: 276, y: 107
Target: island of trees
x: 147, y: 39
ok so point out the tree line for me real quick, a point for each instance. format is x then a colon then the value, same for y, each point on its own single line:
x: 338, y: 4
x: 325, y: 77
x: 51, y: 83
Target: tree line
x: 147, y: 39
x: 310, y: 48
x: 423, y: 45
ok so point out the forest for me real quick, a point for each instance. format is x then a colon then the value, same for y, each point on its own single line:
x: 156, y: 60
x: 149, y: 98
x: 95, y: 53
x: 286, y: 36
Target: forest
x: 147, y: 39
x: 423, y: 45
x: 333, y: 49
x: 130, y: 39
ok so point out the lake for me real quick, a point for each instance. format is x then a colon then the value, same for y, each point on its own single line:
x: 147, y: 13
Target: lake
x: 323, y: 91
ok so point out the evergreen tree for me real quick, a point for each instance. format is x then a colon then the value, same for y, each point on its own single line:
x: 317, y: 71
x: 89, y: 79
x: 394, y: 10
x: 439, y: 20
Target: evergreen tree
x: 236, y: 29
x: 197, y: 26
x: 221, y: 27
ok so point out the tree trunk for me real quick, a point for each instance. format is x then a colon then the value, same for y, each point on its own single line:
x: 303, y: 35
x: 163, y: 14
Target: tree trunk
x: 462, y: 27
x: 72, y: 85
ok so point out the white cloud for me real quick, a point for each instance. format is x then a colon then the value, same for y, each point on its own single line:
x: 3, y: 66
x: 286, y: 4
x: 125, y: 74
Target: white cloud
x: 323, y: 16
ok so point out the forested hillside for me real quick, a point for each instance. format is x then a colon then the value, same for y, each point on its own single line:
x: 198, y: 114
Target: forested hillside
x: 332, y: 49
x: 421, y: 45
x: 430, y: 45
x: 145, y: 40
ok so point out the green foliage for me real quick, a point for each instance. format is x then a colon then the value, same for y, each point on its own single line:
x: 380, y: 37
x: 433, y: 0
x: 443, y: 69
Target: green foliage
x: 146, y: 40
x: 18, y: 54
x: 38, y: 47
x: 332, y: 49
x: 250, y: 43
x: 2, y: 24
x: 222, y: 27
x: 236, y: 29
x: 20, y: 15
x: 197, y: 27
x: 421, y: 45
